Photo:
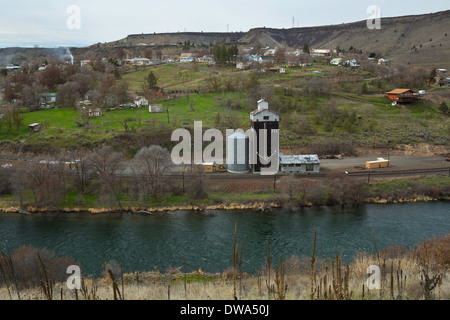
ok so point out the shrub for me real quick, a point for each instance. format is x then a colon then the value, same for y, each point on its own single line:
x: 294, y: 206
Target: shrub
x: 436, y: 250
x: 27, y: 269
x: 443, y: 107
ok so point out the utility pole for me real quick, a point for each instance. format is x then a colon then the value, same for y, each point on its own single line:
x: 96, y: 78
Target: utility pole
x: 167, y: 115
x: 183, y: 180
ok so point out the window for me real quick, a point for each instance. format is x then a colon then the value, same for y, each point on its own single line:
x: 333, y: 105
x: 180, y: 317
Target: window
x: 309, y: 167
x: 266, y: 117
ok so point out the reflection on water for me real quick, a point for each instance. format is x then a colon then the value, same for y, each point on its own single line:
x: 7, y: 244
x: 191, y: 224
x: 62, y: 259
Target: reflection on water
x: 205, y: 240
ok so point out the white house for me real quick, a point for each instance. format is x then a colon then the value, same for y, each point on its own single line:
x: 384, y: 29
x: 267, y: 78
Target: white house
x: 138, y: 61
x: 299, y: 163
x: 48, y: 97
x: 141, y: 102
x: 206, y: 59
x: 243, y: 65
x: 351, y: 63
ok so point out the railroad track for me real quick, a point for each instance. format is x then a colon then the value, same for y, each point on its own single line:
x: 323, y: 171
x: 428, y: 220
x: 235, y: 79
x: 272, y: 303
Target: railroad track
x: 365, y: 173
x: 223, y: 176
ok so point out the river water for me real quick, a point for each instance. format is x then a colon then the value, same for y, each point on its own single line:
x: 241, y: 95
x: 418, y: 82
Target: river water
x: 205, y: 240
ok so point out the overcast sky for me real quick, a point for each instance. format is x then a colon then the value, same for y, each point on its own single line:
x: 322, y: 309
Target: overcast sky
x: 50, y: 23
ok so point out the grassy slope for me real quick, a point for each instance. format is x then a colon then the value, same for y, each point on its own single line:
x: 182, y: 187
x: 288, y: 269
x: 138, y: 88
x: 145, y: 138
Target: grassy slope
x: 419, y: 123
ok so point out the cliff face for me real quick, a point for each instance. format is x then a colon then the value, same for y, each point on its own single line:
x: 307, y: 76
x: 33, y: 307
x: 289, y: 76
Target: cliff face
x: 418, y: 40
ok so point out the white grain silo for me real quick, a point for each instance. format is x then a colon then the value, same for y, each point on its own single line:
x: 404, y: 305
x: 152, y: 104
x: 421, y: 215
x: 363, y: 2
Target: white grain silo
x: 237, y: 152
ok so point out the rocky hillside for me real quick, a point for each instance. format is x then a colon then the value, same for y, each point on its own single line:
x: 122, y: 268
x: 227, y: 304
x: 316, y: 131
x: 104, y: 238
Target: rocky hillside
x: 420, y: 39
x: 417, y: 40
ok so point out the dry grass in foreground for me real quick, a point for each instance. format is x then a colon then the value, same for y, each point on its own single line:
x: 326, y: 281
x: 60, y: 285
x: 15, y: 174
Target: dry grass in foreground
x: 422, y: 273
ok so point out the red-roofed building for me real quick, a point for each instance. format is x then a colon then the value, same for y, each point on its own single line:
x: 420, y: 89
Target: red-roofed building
x: 402, y: 95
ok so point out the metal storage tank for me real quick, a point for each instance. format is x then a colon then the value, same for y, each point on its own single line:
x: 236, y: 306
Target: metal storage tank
x: 237, y: 152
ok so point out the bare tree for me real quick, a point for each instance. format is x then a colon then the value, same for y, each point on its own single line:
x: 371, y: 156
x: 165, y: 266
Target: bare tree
x: 31, y: 96
x: 78, y: 162
x: 83, y: 81
x: 150, y: 164
x: 46, y: 180
x: 17, y: 118
x: 229, y: 83
x: 214, y: 83
x: 69, y: 94
x: 280, y: 55
x: 125, y: 122
x: 51, y: 77
x: 105, y: 162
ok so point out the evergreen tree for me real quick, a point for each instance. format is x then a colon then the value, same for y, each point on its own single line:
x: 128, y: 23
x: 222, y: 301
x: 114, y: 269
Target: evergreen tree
x: 151, y: 80
x: 306, y: 48
x: 443, y: 107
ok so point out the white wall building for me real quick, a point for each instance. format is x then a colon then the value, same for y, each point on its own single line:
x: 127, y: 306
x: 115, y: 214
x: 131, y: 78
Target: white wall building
x: 155, y: 108
x: 263, y: 113
x: 299, y: 163
x: 141, y: 102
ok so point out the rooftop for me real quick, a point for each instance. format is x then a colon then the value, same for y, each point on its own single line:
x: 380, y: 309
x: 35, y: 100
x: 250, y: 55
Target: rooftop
x: 399, y: 91
x: 299, y: 159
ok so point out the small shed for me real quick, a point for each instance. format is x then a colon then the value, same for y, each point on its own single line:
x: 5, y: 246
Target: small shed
x: 379, y: 163
x: 299, y: 163
x: 209, y: 166
x: 97, y: 112
x: 34, y: 127
x: 155, y: 108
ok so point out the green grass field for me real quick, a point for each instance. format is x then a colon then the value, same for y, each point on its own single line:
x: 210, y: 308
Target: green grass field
x: 170, y: 77
x: 59, y: 127
x: 420, y: 122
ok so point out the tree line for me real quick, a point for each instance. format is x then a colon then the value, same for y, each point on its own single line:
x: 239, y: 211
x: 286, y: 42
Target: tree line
x: 105, y: 174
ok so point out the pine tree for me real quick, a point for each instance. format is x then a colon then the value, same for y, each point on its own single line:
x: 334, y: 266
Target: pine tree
x: 306, y: 48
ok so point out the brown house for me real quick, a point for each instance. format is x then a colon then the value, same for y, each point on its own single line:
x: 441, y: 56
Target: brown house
x: 402, y: 95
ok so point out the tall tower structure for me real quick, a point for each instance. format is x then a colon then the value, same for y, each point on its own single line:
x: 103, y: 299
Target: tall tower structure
x: 263, y: 118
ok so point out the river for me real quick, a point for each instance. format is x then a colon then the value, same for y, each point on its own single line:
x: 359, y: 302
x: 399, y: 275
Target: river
x: 205, y: 239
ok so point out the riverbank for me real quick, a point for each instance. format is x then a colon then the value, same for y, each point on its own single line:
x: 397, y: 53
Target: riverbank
x: 291, y: 193
x: 257, y: 206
